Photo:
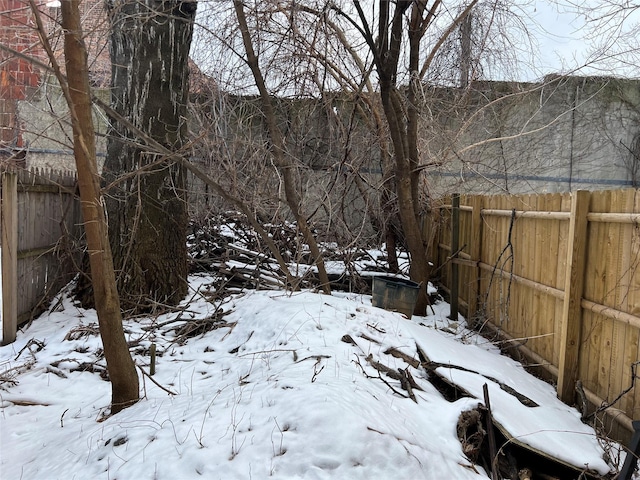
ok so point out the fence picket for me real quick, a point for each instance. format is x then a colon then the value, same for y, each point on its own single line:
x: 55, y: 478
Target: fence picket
x: 9, y: 256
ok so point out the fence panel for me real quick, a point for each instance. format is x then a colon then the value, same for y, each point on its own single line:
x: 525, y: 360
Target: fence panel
x: 560, y: 279
x: 48, y: 229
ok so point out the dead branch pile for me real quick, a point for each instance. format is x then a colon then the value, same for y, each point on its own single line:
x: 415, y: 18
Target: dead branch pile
x: 225, y: 244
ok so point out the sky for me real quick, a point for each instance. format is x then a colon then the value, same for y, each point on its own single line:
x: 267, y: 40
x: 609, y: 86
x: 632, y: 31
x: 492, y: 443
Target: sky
x: 562, y: 38
x: 559, y: 36
x: 566, y: 40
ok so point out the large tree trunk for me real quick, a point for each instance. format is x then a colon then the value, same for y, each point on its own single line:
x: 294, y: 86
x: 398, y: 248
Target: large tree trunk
x: 147, y: 207
x: 122, y: 371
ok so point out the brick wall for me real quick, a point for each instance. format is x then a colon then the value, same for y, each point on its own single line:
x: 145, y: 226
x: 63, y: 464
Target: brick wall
x: 18, y: 77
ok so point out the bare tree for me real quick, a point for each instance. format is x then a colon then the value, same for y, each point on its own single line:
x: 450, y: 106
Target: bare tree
x: 313, y: 50
x: 401, y: 109
x: 283, y: 162
x: 120, y: 365
x: 323, y: 94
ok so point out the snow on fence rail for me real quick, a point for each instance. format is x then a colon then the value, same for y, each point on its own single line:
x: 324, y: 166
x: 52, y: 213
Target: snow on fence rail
x: 558, y: 276
x: 41, y: 220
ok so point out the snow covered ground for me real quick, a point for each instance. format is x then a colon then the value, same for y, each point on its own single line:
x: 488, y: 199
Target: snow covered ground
x: 284, y: 387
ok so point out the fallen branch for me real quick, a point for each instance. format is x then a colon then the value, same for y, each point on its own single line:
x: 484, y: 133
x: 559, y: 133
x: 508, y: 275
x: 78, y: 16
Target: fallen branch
x: 389, y: 372
x: 34, y: 341
x: 432, y: 366
x: 154, y: 382
x: 394, y: 352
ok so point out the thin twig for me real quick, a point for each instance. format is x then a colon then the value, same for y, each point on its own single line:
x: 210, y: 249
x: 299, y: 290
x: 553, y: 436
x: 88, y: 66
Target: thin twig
x: 154, y: 382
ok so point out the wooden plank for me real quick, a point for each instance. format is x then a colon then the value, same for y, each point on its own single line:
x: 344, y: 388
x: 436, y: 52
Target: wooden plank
x: 41, y: 214
x: 623, y: 318
x: 465, y: 262
x: 464, y: 241
x: 633, y: 306
x: 501, y: 312
x: 533, y: 214
x: 45, y: 188
x: 632, y: 334
x: 487, y: 256
x: 476, y: 255
x: 514, y: 319
x: 594, y: 326
x: 455, y: 237
x: 9, y: 257
x: 616, y: 217
x: 592, y: 323
x: 573, y: 290
x: 563, y: 233
x: 629, y: 342
x: 620, y: 371
x: 630, y: 357
x: 534, y: 257
x: 548, y: 277
x: 526, y: 250
x: 605, y: 295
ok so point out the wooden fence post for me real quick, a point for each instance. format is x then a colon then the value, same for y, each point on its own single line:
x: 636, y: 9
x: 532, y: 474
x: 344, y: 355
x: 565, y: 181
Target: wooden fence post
x: 9, y: 256
x: 573, y: 290
x: 475, y: 250
x: 455, y: 240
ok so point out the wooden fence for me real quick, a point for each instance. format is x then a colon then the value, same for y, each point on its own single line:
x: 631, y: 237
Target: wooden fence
x: 40, y: 221
x: 558, y: 276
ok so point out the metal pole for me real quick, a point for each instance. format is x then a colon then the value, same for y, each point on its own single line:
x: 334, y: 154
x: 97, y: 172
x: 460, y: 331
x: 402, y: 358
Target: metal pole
x: 632, y: 454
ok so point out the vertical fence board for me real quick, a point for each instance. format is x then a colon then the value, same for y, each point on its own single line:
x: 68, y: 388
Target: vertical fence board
x: 591, y: 323
x: 465, y: 241
x: 601, y: 203
x: 455, y: 237
x: 563, y: 245
x: 620, y: 374
x: 9, y: 256
x: 475, y: 250
x: 633, y: 342
x: 607, y: 364
x: 535, y: 265
x: 551, y: 322
x: 528, y: 312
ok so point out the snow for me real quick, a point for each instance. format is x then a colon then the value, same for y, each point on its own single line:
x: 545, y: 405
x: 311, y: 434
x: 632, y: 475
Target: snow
x: 274, y: 392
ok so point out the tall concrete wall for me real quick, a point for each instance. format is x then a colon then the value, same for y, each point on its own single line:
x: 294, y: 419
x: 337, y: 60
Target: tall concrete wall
x: 565, y: 134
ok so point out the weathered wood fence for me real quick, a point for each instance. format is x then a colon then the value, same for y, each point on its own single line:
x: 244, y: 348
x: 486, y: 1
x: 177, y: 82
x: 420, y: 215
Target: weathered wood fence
x: 558, y: 276
x: 41, y: 220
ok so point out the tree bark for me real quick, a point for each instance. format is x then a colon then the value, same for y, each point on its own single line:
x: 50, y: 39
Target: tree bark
x: 122, y: 371
x: 147, y: 212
